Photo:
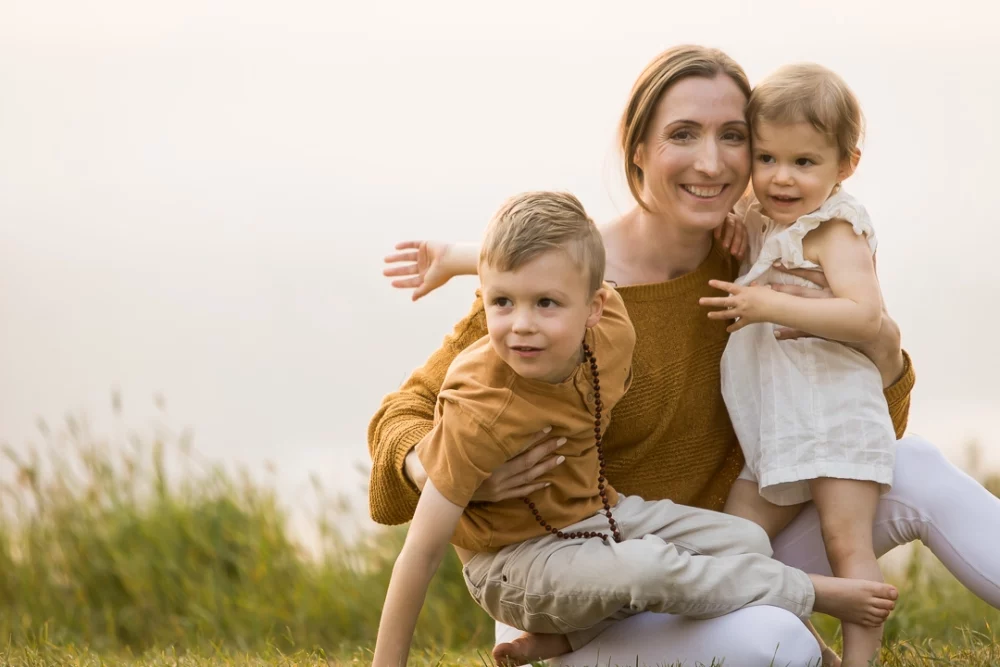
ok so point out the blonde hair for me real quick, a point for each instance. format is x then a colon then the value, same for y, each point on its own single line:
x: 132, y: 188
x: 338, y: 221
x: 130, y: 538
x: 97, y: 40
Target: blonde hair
x: 671, y: 66
x: 533, y: 223
x: 810, y: 93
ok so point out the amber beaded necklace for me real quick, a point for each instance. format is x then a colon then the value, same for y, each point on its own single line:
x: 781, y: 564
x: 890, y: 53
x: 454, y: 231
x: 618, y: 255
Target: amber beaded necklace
x: 616, y: 534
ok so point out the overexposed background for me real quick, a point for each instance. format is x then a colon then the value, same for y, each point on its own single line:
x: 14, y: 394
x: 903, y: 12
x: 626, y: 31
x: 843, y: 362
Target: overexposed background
x: 195, y: 197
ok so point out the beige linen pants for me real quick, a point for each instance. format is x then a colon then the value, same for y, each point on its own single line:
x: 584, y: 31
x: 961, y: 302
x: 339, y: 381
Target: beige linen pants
x: 672, y: 559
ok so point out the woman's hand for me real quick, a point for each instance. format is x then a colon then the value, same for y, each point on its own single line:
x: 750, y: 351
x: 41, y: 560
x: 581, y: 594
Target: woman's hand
x: 732, y: 235
x: 514, y: 479
x: 426, y: 261
x: 885, y: 351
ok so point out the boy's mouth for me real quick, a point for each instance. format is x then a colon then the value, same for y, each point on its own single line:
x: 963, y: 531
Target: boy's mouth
x: 526, y: 350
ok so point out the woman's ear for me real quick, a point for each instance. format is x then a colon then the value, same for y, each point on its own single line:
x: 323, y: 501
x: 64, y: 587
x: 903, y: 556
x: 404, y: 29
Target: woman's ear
x: 597, y: 306
x: 639, y: 156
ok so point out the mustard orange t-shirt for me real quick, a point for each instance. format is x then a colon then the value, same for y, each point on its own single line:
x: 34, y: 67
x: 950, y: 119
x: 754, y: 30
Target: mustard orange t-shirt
x: 486, y: 414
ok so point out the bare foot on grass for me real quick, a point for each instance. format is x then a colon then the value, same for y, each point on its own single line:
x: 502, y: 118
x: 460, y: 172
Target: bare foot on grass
x: 530, y: 648
x: 854, y: 600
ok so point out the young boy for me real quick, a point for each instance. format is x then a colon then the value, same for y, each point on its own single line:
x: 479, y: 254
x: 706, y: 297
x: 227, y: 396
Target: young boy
x: 574, y: 556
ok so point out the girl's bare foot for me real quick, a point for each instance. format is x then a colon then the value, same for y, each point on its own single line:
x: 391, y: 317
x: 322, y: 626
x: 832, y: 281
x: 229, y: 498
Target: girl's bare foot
x: 530, y: 647
x: 854, y: 600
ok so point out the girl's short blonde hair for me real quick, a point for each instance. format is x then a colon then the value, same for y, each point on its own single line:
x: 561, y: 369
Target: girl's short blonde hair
x: 810, y: 93
x: 533, y: 223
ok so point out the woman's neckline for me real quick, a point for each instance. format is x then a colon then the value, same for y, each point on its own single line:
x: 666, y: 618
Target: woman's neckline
x: 686, y: 283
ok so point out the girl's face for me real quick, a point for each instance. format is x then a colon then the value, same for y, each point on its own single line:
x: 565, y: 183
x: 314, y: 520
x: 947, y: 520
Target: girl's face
x: 795, y: 169
x: 695, y: 159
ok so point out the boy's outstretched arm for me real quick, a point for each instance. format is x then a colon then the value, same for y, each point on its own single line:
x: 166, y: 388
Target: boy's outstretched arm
x: 427, y: 540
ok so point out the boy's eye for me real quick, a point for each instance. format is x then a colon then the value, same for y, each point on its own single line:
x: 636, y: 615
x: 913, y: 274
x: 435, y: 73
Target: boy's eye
x: 803, y: 162
x: 501, y: 301
x: 765, y: 158
x: 547, y: 303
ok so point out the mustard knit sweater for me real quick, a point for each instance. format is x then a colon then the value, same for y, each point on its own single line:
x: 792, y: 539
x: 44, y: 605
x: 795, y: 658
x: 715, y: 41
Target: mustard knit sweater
x: 670, y: 435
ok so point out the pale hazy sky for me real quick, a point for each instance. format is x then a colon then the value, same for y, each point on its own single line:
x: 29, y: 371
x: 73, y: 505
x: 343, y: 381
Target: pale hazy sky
x: 195, y: 196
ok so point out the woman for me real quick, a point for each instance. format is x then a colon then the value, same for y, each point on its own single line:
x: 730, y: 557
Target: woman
x: 686, y: 149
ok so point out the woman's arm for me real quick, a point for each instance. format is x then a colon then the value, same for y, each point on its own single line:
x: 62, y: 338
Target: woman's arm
x: 405, y: 417
x: 434, y: 523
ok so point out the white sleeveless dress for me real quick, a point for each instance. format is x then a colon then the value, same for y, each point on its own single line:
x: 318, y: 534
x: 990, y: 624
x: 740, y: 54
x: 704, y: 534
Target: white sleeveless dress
x: 810, y: 407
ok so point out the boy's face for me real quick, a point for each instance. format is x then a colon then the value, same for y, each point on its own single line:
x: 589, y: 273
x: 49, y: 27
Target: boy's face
x: 795, y: 168
x: 537, y: 314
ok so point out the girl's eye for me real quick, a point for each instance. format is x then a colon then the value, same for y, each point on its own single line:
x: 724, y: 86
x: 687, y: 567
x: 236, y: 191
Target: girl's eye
x: 501, y: 302
x: 547, y: 303
x: 803, y: 162
x: 765, y: 158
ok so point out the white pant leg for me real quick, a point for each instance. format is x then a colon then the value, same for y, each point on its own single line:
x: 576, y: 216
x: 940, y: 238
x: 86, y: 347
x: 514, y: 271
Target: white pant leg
x: 932, y: 501
x: 749, y: 637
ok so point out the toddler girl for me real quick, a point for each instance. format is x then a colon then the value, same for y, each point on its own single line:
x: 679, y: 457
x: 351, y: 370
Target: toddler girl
x: 809, y: 412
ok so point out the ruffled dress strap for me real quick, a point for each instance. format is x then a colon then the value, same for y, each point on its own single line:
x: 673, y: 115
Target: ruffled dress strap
x: 785, y: 246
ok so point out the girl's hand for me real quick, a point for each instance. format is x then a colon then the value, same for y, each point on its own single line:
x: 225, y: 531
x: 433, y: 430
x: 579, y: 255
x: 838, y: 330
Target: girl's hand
x: 516, y: 478
x: 732, y: 235
x: 428, y: 262
x: 746, y: 305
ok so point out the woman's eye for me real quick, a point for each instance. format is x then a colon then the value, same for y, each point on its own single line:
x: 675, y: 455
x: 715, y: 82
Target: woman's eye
x: 733, y: 136
x: 681, y: 135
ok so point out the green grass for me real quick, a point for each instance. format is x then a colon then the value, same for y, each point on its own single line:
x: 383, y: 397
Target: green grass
x: 139, y: 554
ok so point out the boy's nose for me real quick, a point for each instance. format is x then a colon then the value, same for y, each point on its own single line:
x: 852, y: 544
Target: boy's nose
x: 523, y: 323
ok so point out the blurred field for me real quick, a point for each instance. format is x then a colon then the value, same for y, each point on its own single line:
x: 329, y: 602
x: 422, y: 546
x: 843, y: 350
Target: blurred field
x: 140, y: 554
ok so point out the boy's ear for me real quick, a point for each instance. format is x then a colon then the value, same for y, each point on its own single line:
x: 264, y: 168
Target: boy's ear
x: 848, y: 165
x: 597, y: 306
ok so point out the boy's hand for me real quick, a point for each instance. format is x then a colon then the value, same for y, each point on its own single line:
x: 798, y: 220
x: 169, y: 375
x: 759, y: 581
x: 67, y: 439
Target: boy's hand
x: 746, y: 305
x: 426, y: 261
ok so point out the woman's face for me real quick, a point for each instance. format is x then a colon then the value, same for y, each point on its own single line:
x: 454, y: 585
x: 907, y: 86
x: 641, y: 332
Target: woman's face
x: 695, y: 158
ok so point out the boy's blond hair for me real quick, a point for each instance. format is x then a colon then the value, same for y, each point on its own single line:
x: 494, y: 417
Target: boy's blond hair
x: 810, y: 93
x: 533, y: 223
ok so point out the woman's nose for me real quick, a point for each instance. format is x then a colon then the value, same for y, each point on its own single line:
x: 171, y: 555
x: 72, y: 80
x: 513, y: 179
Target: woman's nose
x: 709, y: 161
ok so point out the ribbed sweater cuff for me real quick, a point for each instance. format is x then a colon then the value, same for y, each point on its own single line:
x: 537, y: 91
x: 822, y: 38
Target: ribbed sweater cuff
x: 901, y: 388
x: 392, y: 496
